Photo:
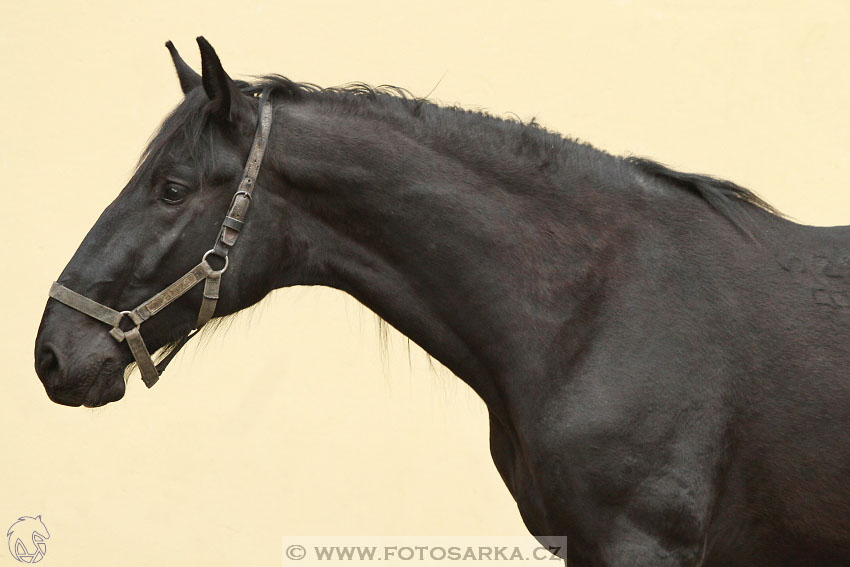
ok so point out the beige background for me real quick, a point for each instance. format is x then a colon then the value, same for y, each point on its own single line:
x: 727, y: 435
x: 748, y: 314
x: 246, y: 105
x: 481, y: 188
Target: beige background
x: 318, y: 433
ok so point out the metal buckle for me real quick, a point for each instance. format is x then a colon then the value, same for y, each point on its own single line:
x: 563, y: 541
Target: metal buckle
x: 236, y: 195
x: 216, y: 272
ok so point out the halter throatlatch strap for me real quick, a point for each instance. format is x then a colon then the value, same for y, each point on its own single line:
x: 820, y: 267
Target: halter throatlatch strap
x: 227, y: 236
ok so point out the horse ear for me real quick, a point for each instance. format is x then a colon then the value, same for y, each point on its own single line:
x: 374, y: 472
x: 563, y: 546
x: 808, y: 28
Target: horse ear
x: 189, y: 79
x: 219, y: 87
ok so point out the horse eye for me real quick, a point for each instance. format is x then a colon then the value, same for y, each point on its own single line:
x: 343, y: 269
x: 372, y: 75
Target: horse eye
x: 173, y: 194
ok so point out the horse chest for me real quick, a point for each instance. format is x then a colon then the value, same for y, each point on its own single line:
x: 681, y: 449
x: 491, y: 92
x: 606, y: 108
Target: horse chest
x: 514, y: 469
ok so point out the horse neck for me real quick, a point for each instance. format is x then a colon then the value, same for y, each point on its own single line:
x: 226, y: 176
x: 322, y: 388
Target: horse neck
x: 425, y: 230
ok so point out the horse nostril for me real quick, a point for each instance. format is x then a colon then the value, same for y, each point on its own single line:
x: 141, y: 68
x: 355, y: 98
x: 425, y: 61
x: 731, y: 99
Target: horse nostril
x: 47, y: 363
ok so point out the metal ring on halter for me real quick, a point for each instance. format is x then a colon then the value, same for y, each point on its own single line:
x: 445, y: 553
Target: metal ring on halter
x: 117, y: 332
x: 129, y: 315
x: 226, y: 261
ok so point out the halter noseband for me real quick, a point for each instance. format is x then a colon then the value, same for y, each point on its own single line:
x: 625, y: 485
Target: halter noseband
x: 229, y: 232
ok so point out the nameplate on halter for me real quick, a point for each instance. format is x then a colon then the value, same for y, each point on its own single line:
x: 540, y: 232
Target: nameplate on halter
x: 172, y: 292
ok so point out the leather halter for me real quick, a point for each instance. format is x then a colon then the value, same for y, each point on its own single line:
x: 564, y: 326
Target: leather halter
x: 229, y: 232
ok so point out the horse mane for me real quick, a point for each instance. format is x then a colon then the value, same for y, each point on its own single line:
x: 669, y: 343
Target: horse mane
x: 722, y: 195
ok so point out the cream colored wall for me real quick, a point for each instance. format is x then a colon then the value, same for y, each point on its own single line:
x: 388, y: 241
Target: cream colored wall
x: 311, y: 433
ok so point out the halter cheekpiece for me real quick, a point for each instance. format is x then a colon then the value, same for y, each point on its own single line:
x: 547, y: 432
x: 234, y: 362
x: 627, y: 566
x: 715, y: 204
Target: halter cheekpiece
x: 227, y: 236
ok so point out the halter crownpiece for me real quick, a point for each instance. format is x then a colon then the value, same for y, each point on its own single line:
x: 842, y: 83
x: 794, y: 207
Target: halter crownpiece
x: 231, y: 226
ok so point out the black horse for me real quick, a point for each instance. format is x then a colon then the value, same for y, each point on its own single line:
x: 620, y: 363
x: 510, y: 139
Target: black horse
x: 663, y: 356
